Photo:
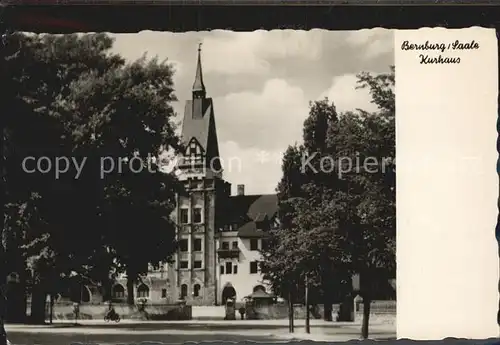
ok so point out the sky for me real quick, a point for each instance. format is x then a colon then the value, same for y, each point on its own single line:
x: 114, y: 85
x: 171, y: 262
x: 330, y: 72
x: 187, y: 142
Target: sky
x: 262, y: 82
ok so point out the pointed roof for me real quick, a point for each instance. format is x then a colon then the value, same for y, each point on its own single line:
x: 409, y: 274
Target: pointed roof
x: 199, y: 118
x: 198, y: 80
x: 196, y: 124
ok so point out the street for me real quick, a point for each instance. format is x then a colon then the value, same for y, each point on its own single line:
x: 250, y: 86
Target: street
x: 177, y: 332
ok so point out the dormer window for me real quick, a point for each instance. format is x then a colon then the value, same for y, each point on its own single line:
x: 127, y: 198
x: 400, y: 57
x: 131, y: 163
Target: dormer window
x: 194, y: 151
x: 261, y: 221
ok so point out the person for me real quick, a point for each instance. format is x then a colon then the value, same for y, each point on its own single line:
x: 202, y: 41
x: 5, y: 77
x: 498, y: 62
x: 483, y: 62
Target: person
x: 3, y: 335
x: 111, y: 310
x: 242, y: 312
x: 3, y: 303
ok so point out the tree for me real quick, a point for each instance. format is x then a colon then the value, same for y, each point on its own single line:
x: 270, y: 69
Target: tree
x: 338, y: 220
x: 84, y: 103
x: 10, y: 50
x: 370, y: 189
x: 301, y: 249
x: 130, y: 117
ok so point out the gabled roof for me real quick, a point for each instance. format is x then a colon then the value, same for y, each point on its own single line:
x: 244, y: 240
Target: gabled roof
x: 247, y: 210
x: 196, y: 123
x: 196, y: 142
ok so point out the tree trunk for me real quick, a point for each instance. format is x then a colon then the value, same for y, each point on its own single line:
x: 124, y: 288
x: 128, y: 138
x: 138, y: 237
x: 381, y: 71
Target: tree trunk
x: 51, y: 311
x: 38, y: 299
x: 327, y: 308
x: 3, y: 276
x: 130, y: 290
x: 290, y: 312
x: 366, y: 317
x: 16, y: 302
x: 3, y: 334
x: 346, y: 309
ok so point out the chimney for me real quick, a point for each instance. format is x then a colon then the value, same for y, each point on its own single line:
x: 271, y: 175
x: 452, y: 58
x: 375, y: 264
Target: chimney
x: 241, y: 189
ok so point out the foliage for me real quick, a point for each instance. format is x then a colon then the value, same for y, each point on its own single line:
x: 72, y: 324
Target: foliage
x: 72, y: 97
x: 337, y: 198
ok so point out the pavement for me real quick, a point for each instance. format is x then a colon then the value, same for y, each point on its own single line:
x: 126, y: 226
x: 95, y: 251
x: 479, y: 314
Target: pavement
x: 179, y: 332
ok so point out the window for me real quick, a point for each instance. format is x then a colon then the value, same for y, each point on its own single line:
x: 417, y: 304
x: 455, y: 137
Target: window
x: 235, y: 245
x: 143, y: 291
x: 192, y: 149
x: 229, y: 267
x: 197, y: 264
x: 196, y: 290
x: 184, y: 264
x: 235, y: 269
x: 184, y: 216
x: 225, y: 245
x: 253, y: 267
x: 265, y: 244
x: 184, y: 291
x: 221, y: 269
x: 118, y: 291
x: 197, y: 215
x: 262, y: 267
x: 163, y: 293
x: 197, y: 244
x: 254, y: 244
x: 183, y: 245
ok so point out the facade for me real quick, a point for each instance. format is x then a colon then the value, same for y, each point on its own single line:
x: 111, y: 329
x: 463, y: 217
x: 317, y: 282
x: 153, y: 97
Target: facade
x: 219, y: 235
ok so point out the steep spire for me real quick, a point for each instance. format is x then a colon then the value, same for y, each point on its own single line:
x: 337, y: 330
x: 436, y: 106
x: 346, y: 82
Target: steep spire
x: 198, y: 86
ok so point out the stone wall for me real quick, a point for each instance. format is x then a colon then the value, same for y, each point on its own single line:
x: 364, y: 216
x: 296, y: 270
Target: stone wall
x: 383, y: 311
x: 64, y: 311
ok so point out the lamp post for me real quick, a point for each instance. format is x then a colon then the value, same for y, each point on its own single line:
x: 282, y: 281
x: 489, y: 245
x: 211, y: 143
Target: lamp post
x: 308, y: 326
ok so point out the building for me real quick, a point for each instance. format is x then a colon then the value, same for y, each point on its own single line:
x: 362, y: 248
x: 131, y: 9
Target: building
x: 219, y: 235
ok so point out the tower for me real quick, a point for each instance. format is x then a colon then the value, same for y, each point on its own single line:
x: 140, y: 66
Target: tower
x: 198, y: 212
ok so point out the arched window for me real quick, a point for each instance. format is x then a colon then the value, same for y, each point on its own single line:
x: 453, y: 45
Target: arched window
x: 143, y: 291
x: 118, y: 291
x: 184, y: 291
x: 86, y: 295
x: 196, y: 290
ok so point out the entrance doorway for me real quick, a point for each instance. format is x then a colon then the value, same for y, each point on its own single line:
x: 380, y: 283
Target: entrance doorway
x: 228, y: 292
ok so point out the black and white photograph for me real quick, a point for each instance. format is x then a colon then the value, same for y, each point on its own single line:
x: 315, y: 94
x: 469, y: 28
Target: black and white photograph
x: 200, y: 186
